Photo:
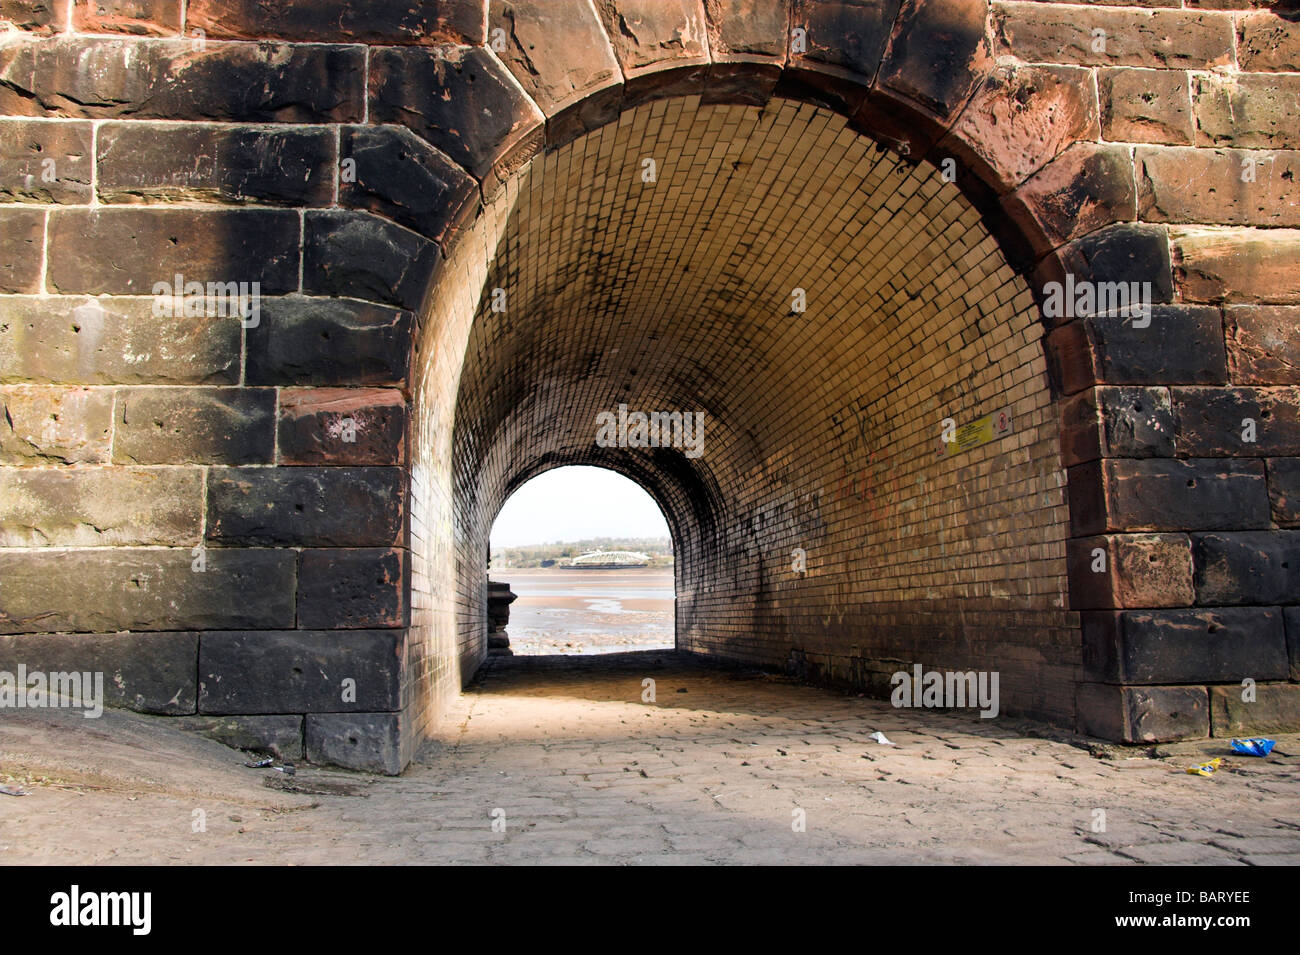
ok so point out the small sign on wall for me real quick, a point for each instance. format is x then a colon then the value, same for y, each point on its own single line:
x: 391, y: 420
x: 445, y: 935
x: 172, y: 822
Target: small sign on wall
x: 983, y: 430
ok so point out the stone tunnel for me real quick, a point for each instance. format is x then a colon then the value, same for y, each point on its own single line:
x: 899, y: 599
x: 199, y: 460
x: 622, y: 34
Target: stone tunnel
x: 844, y: 234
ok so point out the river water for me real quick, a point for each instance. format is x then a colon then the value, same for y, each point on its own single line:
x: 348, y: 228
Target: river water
x: 589, y: 611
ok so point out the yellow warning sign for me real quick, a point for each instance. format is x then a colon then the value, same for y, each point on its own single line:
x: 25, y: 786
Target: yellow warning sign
x: 980, y: 431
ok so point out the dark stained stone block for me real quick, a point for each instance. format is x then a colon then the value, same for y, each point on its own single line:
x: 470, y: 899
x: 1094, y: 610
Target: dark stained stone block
x: 343, y: 587
x: 306, y: 341
x: 367, y: 742
x: 1203, y: 645
x: 148, y: 672
x: 357, y: 255
x: 126, y: 251
x: 1162, y: 494
x: 400, y: 176
x: 377, y: 22
x: 146, y: 589
x: 1284, y: 490
x: 195, y: 425
x: 300, y: 671
x: 1143, y: 714
x: 202, y: 162
x: 306, y: 506
x: 460, y: 99
x: 1182, y: 345
x: 1247, y: 567
x: 100, y: 78
x: 1219, y: 421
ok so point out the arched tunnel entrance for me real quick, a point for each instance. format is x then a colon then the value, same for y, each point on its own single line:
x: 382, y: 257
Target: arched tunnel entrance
x: 833, y: 234
x: 823, y: 307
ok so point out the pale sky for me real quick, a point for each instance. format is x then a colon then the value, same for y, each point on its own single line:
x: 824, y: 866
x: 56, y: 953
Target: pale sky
x: 577, y: 503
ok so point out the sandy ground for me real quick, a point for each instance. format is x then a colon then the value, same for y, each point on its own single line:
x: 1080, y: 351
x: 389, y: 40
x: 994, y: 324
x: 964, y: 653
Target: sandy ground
x: 564, y: 755
x: 589, y: 611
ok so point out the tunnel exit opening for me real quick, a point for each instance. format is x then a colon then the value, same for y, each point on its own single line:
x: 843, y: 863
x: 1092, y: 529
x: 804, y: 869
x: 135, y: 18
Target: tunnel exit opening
x: 580, y: 563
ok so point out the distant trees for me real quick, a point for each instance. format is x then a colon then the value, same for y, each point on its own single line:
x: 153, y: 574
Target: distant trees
x: 660, y: 550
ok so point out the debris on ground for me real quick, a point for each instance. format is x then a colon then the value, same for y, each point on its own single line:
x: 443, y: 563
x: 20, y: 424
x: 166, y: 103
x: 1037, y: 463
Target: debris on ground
x: 1206, y: 769
x: 879, y: 737
x: 13, y: 791
x: 1255, y: 746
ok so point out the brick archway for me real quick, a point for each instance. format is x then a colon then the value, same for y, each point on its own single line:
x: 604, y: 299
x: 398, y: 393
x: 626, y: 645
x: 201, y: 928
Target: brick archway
x: 322, y: 555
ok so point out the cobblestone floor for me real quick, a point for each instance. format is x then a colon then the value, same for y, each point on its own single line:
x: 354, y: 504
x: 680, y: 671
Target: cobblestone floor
x: 580, y: 770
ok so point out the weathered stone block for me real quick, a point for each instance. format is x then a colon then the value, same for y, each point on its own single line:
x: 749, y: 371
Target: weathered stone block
x: 100, y: 507
x: 195, y: 425
x: 99, y: 78
x: 1123, y: 253
x: 1250, y: 111
x: 45, y: 162
x: 1237, y: 265
x: 305, y: 671
x: 1275, y: 709
x: 147, y: 672
x: 1237, y: 421
x: 328, y: 342
x: 849, y: 34
x: 203, y: 162
x: 1085, y: 188
x: 1145, y: 106
x: 1166, y: 495
x: 55, y: 425
x: 127, y: 251
x: 146, y: 589
x: 306, y: 506
x: 358, y: 255
x: 559, y: 53
x: 281, y: 736
x: 1268, y: 42
x: 1206, y: 185
x: 400, y: 176
x: 1263, y: 344
x: 1020, y: 119
x: 22, y: 239
x: 939, y: 53
x: 345, y: 587
x: 460, y: 99
x: 1130, y: 570
x: 1204, y: 645
x: 1252, y: 567
x: 342, y: 426
x: 136, y: 17
x: 1182, y: 344
x: 1284, y: 490
x: 748, y: 29
x: 75, y: 340
x: 366, y: 742
x: 378, y: 22
x: 42, y: 17
x: 1143, y: 714
x: 1168, y: 39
